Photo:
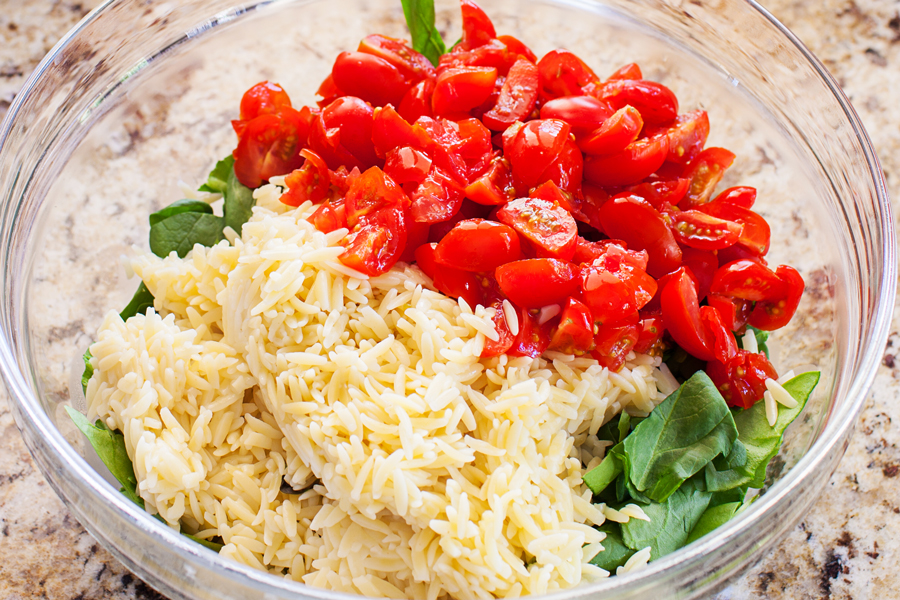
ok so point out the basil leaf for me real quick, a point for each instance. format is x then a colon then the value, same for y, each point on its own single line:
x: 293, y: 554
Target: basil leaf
x: 180, y: 232
x: 679, y: 437
x: 88, y: 370
x: 615, y: 553
x: 671, y: 521
x: 178, y: 207
x: 425, y: 37
x: 239, y: 203
x: 761, y: 442
x: 218, y: 177
x: 712, y: 518
x: 140, y: 302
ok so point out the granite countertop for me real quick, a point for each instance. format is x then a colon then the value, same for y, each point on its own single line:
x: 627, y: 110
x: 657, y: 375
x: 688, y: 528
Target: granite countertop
x: 845, y: 548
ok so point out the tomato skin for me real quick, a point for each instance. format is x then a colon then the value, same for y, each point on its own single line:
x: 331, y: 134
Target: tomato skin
x: 681, y: 315
x: 615, y: 286
x: 413, y: 65
x: 583, y: 113
x: 548, y: 227
x: 632, y: 219
x: 629, y: 71
x: 743, y: 196
x: 494, y: 187
x: 477, y: 26
x: 262, y: 99
x: 566, y: 170
x: 687, y: 136
x: 734, y: 311
x: 722, y: 343
x: 517, y: 48
x: 661, y: 192
x: 755, y: 233
x: 462, y: 88
x: 575, y: 332
x: 636, y: 162
x: 517, y: 96
x: 377, y: 245
x: 650, y: 335
x: 530, y: 148
x: 563, y: 74
x: 538, y: 282
x: 437, y: 198
x: 532, y: 339
x: 416, y: 102
x: 456, y: 283
x: 742, y: 380
x: 342, y: 134
x: 775, y: 313
x: 391, y: 131
x: 478, y: 245
x: 704, y: 232
x: 615, y: 134
x: 406, y: 164
x: 372, y: 192
x: 613, y: 343
x: 656, y: 103
x: 703, y: 265
x: 369, y: 77
x: 270, y: 145
x: 705, y: 172
x: 501, y: 346
x: 311, y: 182
x: 748, y: 280
x: 416, y: 235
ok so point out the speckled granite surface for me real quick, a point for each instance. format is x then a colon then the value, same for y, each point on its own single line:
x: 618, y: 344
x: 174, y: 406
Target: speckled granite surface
x: 847, y: 547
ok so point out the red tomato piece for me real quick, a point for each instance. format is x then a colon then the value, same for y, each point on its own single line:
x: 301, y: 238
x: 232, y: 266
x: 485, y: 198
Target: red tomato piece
x: 263, y: 98
x: 743, y: 196
x: 588, y: 252
x: 613, y: 343
x: 656, y: 103
x: 437, y: 198
x: 369, y: 77
x: 775, y: 313
x: 474, y: 145
x: 494, y: 187
x: 456, y: 283
x: 530, y: 148
x: 704, y: 232
x: 637, y: 161
x: 328, y: 91
x: 270, y: 145
x: 583, y: 113
x: 371, y: 192
x: 411, y: 64
x: 681, y: 315
x: 517, y: 48
x: 311, y: 182
x: 705, y: 172
x: 552, y: 193
x: 376, y: 246
x: 478, y: 245
x: 330, y: 216
x: 462, y: 88
x: 477, y: 26
x: 563, y: 74
x: 615, y: 286
x: 723, y: 344
x: 615, y: 134
x: 755, y: 233
x: 575, y: 332
x: 566, y: 170
x: 538, y: 282
x: 687, y: 136
x: 703, y: 265
x: 532, y: 339
x: 342, y: 134
x: 629, y: 71
x: 748, y: 280
x: 416, y: 235
x: 549, y: 228
x: 734, y: 311
x: 467, y: 210
x: 342, y: 179
x: 391, y: 131
x: 517, y: 96
x: 406, y: 164
x: 506, y: 338
x: 632, y: 219
x: 661, y: 192
x: 742, y: 380
x: 416, y: 102
x: 650, y: 335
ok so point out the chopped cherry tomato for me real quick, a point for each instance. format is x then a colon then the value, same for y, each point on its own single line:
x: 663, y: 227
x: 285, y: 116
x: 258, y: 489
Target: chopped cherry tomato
x: 704, y: 232
x: 538, y: 282
x: 656, y: 103
x: 270, y: 145
x: 530, y: 148
x: 406, y: 164
x: 681, y: 315
x: 614, y: 287
x: 369, y: 77
x: 613, y: 343
x: 723, y: 344
x: 563, y: 74
x: 748, y: 280
x: 774, y: 313
x: 616, y: 133
x: 552, y: 193
x: 687, y: 136
x: 650, y: 335
x: 478, y: 245
x: 517, y: 96
x: 575, y: 332
x: 705, y: 172
x: 391, y: 131
x: 533, y: 338
x: 588, y: 252
x: 703, y: 265
x: 328, y: 91
x: 632, y: 219
x: 502, y: 345
x: 437, y: 198
x: 566, y: 170
x: 417, y: 101
x: 661, y: 192
x: 330, y: 216
x: 342, y: 135
x: 412, y: 65
x: 743, y: 196
x: 371, y: 192
x: 416, y: 236
x: 637, y: 161
x: 494, y: 187
x: 755, y: 233
x: 462, y: 88
x: 262, y: 99
x: 734, y: 311
x: 584, y: 114
x: 517, y: 48
x: 456, y: 283
x: 467, y: 210
x: 376, y: 246
x: 742, y: 380
x: 549, y: 228
x: 477, y: 26
x: 311, y: 182
x: 629, y: 71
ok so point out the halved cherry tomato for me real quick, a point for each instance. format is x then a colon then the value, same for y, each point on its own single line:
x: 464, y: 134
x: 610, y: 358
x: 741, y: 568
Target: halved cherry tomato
x: 563, y: 74
x: 474, y: 145
x: 538, y: 282
x: 748, y: 280
x: 615, y: 286
x: 552, y: 193
x: 549, y: 228
x: 703, y: 265
x: 311, y: 182
x: 755, y: 233
x: 369, y: 77
x: 656, y: 103
x: 342, y: 134
x: 494, y: 54
x: 477, y: 26
x: 376, y: 246
x: 615, y: 134
x: 417, y: 101
x: 613, y: 343
x: 704, y: 232
x: 478, y: 245
x: 437, y: 198
x: 632, y: 219
x: 705, y: 172
x: 530, y: 148
x: 371, y: 192
x: 722, y: 343
x: 502, y: 345
x: 330, y: 216
x: 681, y: 315
x: 743, y: 196
x: 687, y: 136
x: 416, y: 236
x: 262, y: 99
x: 342, y: 179
x: 391, y: 131
x: 532, y: 339
x: 575, y: 332
x: 583, y: 113
x: 661, y: 192
x: 467, y: 210
x: 774, y: 313
x: 328, y: 91
x: 650, y: 335
x: 494, y: 187
x: 412, y: 65
x: 516, y: 47
x: 462, y: 88
x: 517, y: 96
x: 629, y: 71
x: 456, y: 283
x: 406, y: 164
x: 270, y: 145
x: 734, y: 311
x: 637, y: 161
x: 742, y: 380
x: 566, y: 170
x: 588, y: 252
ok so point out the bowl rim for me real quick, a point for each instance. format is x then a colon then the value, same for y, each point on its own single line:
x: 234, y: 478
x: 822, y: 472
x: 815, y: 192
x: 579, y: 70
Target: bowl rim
x: 838, y: 427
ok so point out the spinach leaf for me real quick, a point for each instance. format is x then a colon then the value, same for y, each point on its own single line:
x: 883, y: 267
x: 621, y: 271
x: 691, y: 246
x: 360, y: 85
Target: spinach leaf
x: 239, y: 203
x: 615, y: 553
x: 140, y: 302
x: 671, y: 521
x: 178, y: 207
x: 425, y: 37
x: 712, y: 518
x: 180, y: 232
x: 88, y: 370
x: 598, y: 478
x: 761, y: 442
x: 212, y: 545
x: 685, y: 432
x: 761, y: 337
x: 624, y: 426
x: 218, y: 177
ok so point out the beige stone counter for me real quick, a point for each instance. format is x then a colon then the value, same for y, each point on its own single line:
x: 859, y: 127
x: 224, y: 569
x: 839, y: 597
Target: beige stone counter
x: 847, y: 547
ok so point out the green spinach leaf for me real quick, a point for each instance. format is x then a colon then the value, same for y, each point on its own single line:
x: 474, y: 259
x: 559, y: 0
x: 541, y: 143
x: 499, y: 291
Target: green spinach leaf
x: 218, y: 177
x: 713, y: 517
x: 761, y: 442
x: 239, y: 203
x: 425, y: 37
x: 212, y: 545
x: 88, y: 370
x: 178, y: 207
x: 598, y: 478
x: 140, y: 302
x: 180, y: 232
x: 615, y: 553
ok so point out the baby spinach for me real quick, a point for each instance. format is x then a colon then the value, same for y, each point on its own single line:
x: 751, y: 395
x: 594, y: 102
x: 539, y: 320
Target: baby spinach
x: 180, y: 232
x: 239, y: 202
x: 88, y: 370
x: 178, y: 207
x: 615, y: 553
x: 218, y: 177
x: 140, y: 302
x: 425, y: 36
x: 713, y: 517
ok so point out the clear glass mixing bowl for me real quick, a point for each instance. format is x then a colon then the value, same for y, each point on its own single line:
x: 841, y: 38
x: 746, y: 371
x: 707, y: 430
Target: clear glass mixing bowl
x: 138, y: 97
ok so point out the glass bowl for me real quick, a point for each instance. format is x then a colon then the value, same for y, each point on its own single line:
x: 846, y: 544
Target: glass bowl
x: 138, y: 98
